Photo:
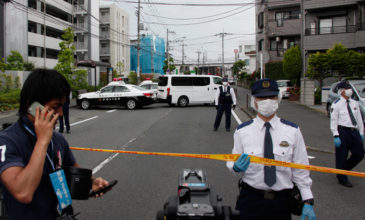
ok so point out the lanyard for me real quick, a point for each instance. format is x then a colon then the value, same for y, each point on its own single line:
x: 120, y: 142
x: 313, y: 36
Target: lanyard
x: 49, y: 159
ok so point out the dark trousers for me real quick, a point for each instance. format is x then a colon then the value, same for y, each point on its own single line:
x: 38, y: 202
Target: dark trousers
x: 223, y: 108
x: 253, y: 206
x: 65, y: 109
x: 350, y: 141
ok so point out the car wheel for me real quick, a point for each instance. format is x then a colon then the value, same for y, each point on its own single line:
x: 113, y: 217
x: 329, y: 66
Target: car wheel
x: 85, y: 104
x: 131, y: 104
x: 183, y: 101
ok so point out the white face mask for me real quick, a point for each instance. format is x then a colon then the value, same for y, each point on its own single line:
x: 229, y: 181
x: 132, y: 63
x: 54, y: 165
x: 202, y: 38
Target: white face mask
x: 348, y: 92
x: 267, y: 107
x: 225, y: 83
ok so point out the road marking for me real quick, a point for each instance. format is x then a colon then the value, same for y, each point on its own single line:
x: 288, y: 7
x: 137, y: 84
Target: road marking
x: 236, y: 117
x: 107, y: 160
x: 79, y: 122
x: 110, y: 111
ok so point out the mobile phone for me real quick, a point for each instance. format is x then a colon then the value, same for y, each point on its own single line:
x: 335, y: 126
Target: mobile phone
x: 33, y: 106
x: 104, y: 189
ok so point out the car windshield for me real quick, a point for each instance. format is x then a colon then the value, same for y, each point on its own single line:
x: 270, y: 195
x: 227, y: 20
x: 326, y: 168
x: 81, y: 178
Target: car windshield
x: 139, y: 88
x: 360, y: 88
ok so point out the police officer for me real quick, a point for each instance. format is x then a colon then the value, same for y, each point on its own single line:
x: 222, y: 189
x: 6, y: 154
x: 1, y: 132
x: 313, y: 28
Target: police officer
x: 264, y: 190
x: 348, y: 131
x: 224, y: 99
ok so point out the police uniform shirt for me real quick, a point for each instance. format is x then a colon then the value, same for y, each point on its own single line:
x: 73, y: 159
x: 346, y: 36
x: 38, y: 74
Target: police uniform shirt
x: 288, y: 146
x: 341, y: 116
x: 16, y: 150
x: 225, y: 88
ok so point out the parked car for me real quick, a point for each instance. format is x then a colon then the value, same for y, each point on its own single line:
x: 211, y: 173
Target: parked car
x: 117, y: 93
x: 148, y: 84
x: 188, y: 89
x: 358, y: 86
x: 284, y: 87
x: 231, y: 81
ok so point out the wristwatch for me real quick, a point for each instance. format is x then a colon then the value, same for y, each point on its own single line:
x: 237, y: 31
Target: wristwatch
x: 309, y: 201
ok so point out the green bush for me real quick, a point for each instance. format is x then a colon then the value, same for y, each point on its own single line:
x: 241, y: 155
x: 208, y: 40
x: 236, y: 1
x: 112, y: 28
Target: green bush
x: 132, y: 78
x: 9, y: 100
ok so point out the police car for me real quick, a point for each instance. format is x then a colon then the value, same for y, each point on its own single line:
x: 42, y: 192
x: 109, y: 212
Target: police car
x: 148, y: 84
x: 117, y: 93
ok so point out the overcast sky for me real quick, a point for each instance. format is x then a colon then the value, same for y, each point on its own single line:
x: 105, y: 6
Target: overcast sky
x: 238, y: 20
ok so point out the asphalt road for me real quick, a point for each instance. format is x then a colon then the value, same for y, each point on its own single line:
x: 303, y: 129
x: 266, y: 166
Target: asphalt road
x: 146, y: 182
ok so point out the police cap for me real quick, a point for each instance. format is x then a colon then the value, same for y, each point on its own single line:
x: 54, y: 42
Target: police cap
x: 225, y: 79
x: 344, y: 85
x: 264, y: 88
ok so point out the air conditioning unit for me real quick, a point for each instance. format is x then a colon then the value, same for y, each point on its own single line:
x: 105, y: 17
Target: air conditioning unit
x: 278, y: 39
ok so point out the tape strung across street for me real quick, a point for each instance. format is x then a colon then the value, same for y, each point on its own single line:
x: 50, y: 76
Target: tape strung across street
x: 233, y: 157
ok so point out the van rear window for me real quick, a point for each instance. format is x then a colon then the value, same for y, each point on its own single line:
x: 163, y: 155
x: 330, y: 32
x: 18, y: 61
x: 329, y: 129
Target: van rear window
x: 162, y: 81
x: 181, y: 81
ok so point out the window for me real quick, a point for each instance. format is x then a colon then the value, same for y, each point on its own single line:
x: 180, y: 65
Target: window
x: 162, y: 81
x: 273, y: 44
x: 201, y: 81
x: 240, y: 48
x: 121, y: 89
x: 181, y: 81
x: 217, y: 80
x: 260, y: 45
x: 260, y: 20
x: 107, y: 89
x: 332, y: 25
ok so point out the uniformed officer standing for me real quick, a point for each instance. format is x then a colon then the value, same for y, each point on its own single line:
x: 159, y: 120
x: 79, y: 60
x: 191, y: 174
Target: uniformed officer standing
x: 348, y: 131
x: 264, y: 190
x: 224, y: 99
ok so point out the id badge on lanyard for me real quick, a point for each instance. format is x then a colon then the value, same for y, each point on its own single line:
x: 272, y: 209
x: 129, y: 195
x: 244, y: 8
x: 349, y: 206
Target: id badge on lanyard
x: 58, y: 180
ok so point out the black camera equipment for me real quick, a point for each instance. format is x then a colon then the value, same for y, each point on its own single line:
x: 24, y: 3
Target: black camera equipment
x: 195, y: 200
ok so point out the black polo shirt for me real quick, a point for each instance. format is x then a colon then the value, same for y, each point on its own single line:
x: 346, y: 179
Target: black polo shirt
x: 16, y: 147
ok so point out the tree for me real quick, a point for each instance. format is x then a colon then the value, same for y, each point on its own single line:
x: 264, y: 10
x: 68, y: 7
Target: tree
x: 238, y: 66
x: 171, y: 65
x: 338, y: 59
x: 66, y: 62
x: 356, y: 63
x: 15, y: 61
x: 318, y: 67
x: 292, y: 64
x: 2, y: 64
x: 120, y: 67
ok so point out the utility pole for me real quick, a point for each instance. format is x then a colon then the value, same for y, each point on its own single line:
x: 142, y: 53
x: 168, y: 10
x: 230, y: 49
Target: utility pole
x: 222, y: 35
x: 138, y: 41
x: 198, y: 52
x: 167, y: 49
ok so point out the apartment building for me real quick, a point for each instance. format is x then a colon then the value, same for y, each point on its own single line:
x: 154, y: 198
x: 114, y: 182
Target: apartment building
x: 247, y: 53
x: 331, y: 22
x: 2, y: 28
x: 34, y: 28
x: 114, y: 37
x: 278, y: 27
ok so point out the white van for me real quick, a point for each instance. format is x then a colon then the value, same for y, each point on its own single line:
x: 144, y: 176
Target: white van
x: 188, y: 89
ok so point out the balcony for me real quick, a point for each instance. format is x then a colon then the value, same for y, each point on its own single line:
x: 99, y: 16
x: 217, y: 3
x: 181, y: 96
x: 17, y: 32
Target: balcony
x: 81, y: 28
x: 316, y: 4
x: 105, y: 19
x: 81, y: 47
x: 332, y: 30
x: 104, y: 35
x: 105, y: 51
x: 285, y: 27
x: 80, y: 9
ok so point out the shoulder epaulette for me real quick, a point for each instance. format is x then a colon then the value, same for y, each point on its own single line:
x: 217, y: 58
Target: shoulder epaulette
x: 289, y: 123
x: 244, y: 124
x: 336, y: 100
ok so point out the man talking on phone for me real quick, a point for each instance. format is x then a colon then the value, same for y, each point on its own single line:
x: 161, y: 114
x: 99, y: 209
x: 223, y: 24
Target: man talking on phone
x: 31, y: 151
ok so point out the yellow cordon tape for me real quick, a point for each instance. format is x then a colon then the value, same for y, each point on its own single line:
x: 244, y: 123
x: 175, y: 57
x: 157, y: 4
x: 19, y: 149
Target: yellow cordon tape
x: 234, y: 157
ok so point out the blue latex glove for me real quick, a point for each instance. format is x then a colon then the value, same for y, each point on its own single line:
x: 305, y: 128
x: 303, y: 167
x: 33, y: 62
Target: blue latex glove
x: 241, y: 163
x: 337, y: 141
x: 308, y: 212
